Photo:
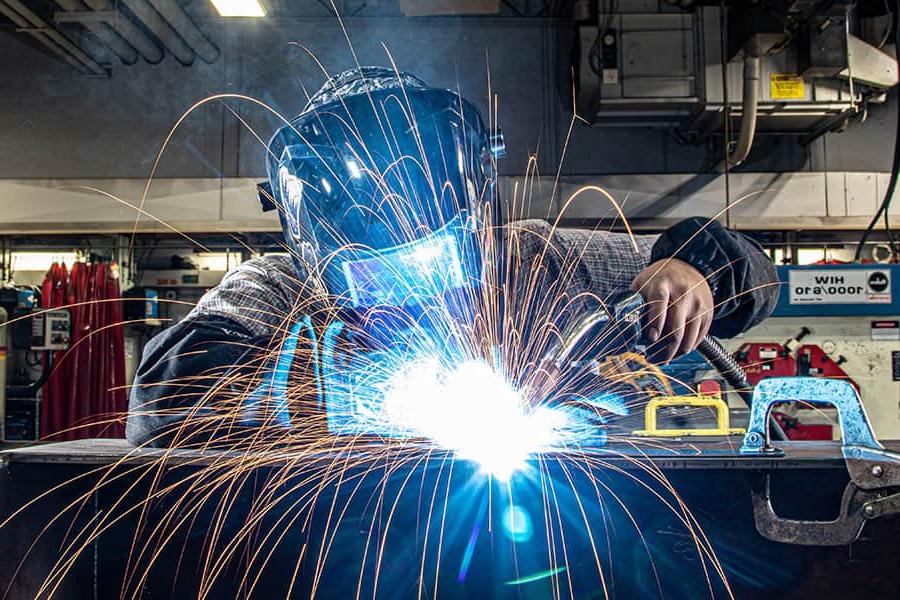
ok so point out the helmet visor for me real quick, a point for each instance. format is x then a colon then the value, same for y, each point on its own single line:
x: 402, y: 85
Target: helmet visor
x: 356, y: 182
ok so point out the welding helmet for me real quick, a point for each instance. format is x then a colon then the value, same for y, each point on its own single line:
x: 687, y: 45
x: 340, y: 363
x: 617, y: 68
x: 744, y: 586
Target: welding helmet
x: 380, y: 184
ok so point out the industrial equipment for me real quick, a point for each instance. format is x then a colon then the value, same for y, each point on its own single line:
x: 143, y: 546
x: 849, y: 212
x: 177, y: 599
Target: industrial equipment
x: 168, y: 294
x: 835, y: 321
x: 32, y: 337
x: 765, y: 67
x: 788, y: 508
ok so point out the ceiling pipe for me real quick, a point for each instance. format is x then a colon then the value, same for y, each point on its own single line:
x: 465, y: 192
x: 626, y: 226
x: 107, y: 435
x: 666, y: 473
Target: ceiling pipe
x: 126, y: 53
x: 132, y: 34
x: 162, y: 30
x: 749, y: 108
x: 187, y: 29
x: 32, y: 24
x: 39, y: 36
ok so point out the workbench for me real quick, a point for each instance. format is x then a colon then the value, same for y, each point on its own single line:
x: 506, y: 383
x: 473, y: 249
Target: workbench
x: 710, y: 476
x: 734, y: 516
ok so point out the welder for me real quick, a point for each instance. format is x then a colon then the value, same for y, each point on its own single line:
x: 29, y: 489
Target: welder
x: 378, y: 163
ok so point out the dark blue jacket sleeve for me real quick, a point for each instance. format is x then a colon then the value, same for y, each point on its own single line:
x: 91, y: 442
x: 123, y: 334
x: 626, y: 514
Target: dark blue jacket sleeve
x: 743, y: 280
x: 182, y: 379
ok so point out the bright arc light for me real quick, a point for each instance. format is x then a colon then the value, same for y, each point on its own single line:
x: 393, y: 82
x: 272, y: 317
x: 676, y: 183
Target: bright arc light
x: 472, y: 411
x: 239, y: 8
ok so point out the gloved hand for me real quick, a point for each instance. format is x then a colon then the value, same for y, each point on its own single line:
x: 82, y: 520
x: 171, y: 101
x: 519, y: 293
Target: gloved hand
x: 678, y: 306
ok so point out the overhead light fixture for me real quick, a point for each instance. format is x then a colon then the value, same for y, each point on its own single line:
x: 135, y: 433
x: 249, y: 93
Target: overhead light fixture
x: 239, y: 8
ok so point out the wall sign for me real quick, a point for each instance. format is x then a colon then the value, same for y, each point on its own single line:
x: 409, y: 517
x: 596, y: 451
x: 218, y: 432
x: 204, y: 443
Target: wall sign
x: 786, y: 86
x: 885, y: 331
x: 840, y: 286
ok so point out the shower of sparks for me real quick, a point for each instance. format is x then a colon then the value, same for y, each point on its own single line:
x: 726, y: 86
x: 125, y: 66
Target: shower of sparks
x: 472, y: 383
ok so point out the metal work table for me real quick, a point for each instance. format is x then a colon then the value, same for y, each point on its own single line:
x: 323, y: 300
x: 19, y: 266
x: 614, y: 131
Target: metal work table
x: 681, y: 453
x: 805, y: 519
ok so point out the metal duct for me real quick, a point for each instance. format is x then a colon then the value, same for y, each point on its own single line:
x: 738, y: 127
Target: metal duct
x: 186, y: 28
x: 146, y: 47
x: 162, y: 30
x: 748, y: 111
x: 104, y: 33
x: 40, y: 37
x: 32, y: 24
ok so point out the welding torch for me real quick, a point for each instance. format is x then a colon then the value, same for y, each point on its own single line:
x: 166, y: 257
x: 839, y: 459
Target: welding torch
x: 614, y: 327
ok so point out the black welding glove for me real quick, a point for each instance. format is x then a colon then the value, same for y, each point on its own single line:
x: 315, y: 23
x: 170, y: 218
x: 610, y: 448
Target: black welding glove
x: 743, y: 280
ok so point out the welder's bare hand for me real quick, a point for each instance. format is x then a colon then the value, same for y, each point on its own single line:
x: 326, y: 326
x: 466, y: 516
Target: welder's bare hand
x: 678, y: 306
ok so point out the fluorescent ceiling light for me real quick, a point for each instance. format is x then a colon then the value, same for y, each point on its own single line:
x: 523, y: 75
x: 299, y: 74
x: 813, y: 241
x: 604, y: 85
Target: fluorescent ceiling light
x: 239, y: 8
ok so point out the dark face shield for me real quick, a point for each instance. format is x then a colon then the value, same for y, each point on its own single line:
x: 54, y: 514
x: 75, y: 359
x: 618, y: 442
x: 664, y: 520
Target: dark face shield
x: 382, y: 192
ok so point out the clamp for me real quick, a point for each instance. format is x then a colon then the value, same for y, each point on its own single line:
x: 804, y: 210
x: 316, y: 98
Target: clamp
x: 874, y: 487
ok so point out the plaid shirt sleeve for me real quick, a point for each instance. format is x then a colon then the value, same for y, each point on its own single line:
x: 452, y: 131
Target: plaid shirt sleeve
x: 597, y: 262
x: 259, y: 294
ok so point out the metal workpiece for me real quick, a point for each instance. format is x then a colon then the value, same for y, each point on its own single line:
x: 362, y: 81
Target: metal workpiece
x: 873, y: 489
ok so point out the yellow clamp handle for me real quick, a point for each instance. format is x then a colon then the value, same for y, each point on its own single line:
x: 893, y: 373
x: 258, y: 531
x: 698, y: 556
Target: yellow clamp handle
x: 723, y: 423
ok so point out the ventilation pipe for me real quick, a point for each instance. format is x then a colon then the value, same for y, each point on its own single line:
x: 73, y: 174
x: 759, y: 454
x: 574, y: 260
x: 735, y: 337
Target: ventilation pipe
x: 55, y: 41
x: 132, y: 34
x: 165, y: 19
x: 748, y: 111
x: 162, y: 30
x: 104, y: 33
x: 185, y: 27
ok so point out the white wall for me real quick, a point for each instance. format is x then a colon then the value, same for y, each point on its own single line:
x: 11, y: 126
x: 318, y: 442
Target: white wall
x: 770, y: 201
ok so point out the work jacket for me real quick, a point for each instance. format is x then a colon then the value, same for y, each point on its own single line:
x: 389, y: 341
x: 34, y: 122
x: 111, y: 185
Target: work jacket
x: 193, y: 369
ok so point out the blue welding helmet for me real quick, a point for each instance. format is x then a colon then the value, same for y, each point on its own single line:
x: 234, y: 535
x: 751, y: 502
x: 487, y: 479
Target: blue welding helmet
x: 380, y: 184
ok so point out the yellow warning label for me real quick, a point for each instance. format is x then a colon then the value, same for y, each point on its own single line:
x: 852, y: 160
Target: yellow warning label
x: 786, y: 87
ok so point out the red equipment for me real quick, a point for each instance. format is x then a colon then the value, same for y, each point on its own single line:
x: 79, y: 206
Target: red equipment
x: 771, y: 359
x: 85, y: 394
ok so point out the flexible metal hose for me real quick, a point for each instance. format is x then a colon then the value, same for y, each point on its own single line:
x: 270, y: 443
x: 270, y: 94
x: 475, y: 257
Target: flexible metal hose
x: 722, y: 360
x: 727, y: 366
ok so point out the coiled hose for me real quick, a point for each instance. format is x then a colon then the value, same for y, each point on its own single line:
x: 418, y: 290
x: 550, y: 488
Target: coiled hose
x: 722, y: 360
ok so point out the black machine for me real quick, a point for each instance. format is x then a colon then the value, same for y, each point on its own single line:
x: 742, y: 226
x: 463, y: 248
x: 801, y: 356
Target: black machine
x: 33, y: 336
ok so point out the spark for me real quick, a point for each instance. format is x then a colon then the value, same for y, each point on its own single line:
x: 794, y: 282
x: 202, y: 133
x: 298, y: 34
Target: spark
x: 469, y: 409
x: 536, y: 576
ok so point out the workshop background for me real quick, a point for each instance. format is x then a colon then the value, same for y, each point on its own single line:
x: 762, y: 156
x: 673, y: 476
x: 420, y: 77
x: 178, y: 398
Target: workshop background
x: 92, y: 91
x: 131, y: 149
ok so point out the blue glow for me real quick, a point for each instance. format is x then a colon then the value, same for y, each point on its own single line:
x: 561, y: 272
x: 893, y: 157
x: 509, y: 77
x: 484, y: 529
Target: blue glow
x: 468, y: 553
x: 459, y: 404
x: 353, y: 168
x: 517, y: 524
x: 273, y: 390
x: 611, y: 402
x: 407, y: 274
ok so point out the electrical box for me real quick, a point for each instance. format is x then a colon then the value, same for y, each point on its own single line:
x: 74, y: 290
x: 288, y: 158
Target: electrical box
x: 51, y: 330
x: 665, y: 68
x: 180, y: 278
x: 848, y: 318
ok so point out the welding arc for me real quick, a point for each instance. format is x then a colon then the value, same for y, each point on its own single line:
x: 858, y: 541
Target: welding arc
x: 885, y: 207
